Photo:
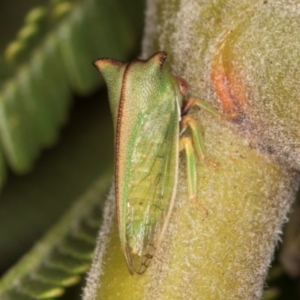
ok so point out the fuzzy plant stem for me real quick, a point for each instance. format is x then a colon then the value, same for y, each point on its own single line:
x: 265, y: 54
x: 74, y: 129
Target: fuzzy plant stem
x: 243, y: 58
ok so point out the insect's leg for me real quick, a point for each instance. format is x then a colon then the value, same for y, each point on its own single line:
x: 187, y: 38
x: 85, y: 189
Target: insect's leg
x: 188, y: 121
x: 186, y: 144
x: 190, y: 102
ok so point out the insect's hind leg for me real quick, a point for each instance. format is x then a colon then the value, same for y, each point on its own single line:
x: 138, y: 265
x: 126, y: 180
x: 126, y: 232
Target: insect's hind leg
x: 186, y: 144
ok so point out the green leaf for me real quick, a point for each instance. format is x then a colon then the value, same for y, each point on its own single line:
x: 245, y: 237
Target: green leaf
x: 50, y: 57
x: 58, y: 259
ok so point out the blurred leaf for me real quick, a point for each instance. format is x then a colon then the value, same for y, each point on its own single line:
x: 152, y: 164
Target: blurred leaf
x: 42, y: 80
x: 30, y: 204
x: 50, y: 56
x: 63, y: 254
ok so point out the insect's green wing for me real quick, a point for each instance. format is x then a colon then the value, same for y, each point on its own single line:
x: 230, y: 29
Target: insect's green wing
x: 151, y: 190
x: 147, y: 159
x: 143, y: 100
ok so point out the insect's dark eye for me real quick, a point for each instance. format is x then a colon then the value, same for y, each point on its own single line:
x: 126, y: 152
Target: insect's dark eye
x: 183, y: 86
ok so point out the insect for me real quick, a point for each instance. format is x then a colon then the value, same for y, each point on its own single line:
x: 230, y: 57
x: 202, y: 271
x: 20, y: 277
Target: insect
x: 150, y: 113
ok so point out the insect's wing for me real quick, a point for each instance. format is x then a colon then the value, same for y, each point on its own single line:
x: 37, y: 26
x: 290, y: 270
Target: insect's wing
x: 143, y: 103
x: 153, y: 176
x: 146, y: 159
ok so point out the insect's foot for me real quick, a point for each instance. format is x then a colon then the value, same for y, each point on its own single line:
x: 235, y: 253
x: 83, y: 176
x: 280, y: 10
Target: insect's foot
x: 230, y: 116
x: 211, y: 162
x: 203, y: 210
